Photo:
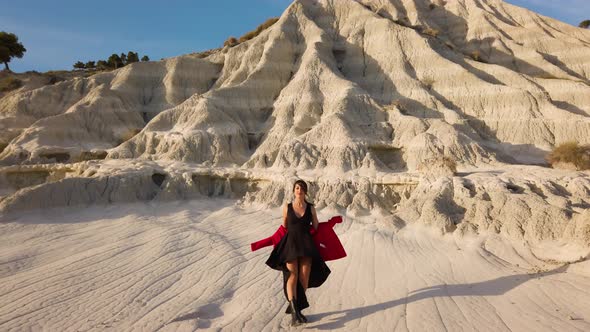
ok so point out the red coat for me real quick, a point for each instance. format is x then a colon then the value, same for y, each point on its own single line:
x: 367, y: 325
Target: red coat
x: 324, y: 237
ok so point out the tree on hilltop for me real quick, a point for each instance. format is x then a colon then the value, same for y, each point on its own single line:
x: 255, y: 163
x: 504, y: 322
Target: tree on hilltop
x: 115, y: 61
x: 132, y: 57
x: 10, y: 48
x: 79, y: 65
x: 102, y: 65
x: 584, y: 24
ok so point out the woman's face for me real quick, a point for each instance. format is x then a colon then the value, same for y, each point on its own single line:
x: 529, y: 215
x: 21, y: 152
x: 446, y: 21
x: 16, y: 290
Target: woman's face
x: 299, y: 193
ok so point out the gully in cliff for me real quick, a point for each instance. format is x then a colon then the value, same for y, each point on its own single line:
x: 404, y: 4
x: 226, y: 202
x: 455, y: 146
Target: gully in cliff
x: 302, y: 245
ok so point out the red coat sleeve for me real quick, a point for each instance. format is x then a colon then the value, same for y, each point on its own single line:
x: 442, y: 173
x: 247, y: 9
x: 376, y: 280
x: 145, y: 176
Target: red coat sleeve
x: 271, y: 240
x: 335, y: 220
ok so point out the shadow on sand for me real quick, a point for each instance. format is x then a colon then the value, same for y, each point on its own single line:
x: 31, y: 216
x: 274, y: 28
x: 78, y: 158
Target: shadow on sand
x: 492, y: 287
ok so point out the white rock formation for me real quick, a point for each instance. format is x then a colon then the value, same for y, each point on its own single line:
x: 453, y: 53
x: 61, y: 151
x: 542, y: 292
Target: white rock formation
x: 325, y: 86
x: 361, y: 98
x: 64, y: 120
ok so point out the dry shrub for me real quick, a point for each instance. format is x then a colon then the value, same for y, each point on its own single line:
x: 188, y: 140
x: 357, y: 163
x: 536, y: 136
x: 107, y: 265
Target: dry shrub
x: 476, y: 55
x: 450, y: 163
x: 231, y: 42
x: 207, y: 53
x: 10, y: 83
x: 259, y: 29
x: 430, y: 32
x: 89, y: 73
x: 428, y: 82
x: 570, y: 153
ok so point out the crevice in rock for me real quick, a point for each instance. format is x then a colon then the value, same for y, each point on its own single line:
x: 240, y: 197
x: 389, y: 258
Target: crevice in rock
x: 501, y: 17
x: 339, y: 56
x: 459, y: 58
x: 390, y: 156
x: 60, y: 157
x: 554, y: 60
x: 467, y: 184
x: 93, y: 155
x: 537, y: 190
x: 514, y: 188
x: 558, y: 190
x: 564, y: 105
x: 254, y: 140
x: 158, y: 179
x: 225, y: 186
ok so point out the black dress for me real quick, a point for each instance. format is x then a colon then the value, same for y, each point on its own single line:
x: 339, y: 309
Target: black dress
x: 299, y: 243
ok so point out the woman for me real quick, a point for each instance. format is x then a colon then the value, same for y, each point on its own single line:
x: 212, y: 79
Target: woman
x: 296, y: 254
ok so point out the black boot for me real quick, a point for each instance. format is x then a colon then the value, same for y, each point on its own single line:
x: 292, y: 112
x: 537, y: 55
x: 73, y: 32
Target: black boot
x: 300, y: 315
x: 295, y: 319
x: 302, y: 318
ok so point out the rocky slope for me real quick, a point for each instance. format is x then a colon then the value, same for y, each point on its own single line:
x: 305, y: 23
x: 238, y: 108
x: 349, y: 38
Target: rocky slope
x: 359, y: 97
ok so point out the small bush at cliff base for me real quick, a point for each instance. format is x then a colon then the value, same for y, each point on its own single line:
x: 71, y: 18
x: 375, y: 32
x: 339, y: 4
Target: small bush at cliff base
x: 9, y: 84
x: 572, y: 153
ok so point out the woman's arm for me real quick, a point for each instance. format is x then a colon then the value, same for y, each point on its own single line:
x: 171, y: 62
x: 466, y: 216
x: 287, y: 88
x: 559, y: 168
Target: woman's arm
x: 314, y: 219
x: 285, y: 216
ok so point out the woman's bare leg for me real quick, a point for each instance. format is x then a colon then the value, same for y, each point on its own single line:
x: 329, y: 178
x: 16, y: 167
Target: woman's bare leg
x: 292, y: 281
x: 304, y: 271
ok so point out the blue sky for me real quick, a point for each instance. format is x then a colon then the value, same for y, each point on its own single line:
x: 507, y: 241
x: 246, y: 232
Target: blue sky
x: 58, y: 33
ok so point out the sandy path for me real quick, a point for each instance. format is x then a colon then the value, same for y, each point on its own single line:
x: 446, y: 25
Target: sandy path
x: 185, y: 266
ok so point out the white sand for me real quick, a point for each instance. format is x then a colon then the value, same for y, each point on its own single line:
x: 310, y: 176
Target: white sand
x: 185, y: 266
